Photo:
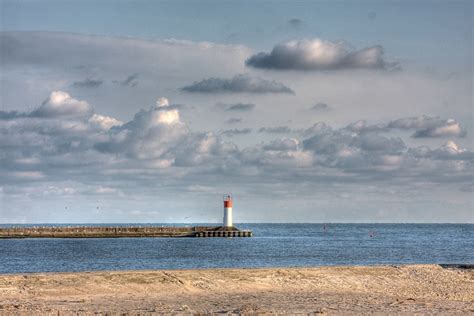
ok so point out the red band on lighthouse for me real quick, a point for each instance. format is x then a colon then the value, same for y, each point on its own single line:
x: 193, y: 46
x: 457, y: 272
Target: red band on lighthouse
x: 228, y: 203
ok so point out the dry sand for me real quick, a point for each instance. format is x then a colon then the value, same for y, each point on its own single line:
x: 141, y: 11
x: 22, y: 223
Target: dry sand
x: 332, y: 290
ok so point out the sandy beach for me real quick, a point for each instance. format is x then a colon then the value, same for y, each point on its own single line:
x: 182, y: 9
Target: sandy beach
x: 326, y: 290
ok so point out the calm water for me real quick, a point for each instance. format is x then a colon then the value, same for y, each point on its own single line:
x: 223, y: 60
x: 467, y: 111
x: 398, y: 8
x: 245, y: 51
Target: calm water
x: 273, y: 245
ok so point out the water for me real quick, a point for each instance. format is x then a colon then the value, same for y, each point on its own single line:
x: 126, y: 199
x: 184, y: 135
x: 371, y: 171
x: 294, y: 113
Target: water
x: 273, y: 245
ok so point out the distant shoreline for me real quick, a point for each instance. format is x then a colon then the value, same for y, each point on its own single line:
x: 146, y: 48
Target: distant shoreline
x: 236, y: 223
x: 329, y: 289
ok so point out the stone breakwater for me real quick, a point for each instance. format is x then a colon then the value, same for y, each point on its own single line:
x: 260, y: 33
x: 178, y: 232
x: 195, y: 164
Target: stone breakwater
x: 120, y: 231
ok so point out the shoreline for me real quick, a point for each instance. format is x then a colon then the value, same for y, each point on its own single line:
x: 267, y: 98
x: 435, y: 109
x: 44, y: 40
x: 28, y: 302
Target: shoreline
x: 456, y: 266
x: 325, y: 289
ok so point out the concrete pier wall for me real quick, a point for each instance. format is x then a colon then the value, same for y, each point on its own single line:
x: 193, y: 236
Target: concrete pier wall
x: 120, y: 231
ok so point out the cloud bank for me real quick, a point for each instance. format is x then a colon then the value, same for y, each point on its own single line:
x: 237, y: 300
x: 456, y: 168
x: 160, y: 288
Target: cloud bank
x: 68, y: 147
x: 64, y: 137
x: 64, y: 148
x: 424, y: 127
x: 237, y: 84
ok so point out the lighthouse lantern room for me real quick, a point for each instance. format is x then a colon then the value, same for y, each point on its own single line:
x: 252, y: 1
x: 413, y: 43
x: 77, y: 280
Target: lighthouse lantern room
x: 228, y: 211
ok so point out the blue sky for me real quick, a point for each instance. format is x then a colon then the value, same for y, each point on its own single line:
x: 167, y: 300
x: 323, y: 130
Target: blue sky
x: 403, y: 27
x: 314, y: 111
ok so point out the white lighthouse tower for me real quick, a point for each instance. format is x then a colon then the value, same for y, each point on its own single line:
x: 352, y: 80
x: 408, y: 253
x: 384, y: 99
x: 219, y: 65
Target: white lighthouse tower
x: 228, y: 211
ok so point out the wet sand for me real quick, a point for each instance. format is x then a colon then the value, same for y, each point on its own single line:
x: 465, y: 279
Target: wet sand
x: 326, y: 290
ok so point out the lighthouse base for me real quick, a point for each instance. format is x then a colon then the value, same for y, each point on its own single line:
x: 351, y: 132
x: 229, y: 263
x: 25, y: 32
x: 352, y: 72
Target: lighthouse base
x: 223, y: 231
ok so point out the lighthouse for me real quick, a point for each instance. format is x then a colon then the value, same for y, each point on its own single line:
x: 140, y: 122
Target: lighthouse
x: 228, y: 211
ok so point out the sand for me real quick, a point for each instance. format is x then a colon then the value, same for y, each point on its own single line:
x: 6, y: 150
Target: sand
x: 326, y: 290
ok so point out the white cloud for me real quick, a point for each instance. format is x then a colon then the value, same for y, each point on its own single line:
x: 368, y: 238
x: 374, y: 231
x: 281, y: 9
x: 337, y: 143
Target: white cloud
x: 206, y: 149
x: 60, y: 103
x: 283, y: 144
x: 427, y: 126
x: 448, y: 128
x: 149, y: 135
x: 318, y: 54
x: 166, y: 117
x: 424, y: 126
x: 106, y: 190
x: 282, y: 153
x: 162, y: 102
x: 449, y: 151
x: 104, y: 122
x: 452, y: 147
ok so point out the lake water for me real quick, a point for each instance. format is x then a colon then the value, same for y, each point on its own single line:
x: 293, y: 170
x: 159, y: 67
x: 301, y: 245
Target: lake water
x: 273, y: 245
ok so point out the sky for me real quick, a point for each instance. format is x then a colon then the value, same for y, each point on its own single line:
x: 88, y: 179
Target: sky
x: 306, y: 111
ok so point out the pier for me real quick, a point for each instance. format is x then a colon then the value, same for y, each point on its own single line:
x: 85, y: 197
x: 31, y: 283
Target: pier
x: 120, y: 232
x: 227, y: 230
